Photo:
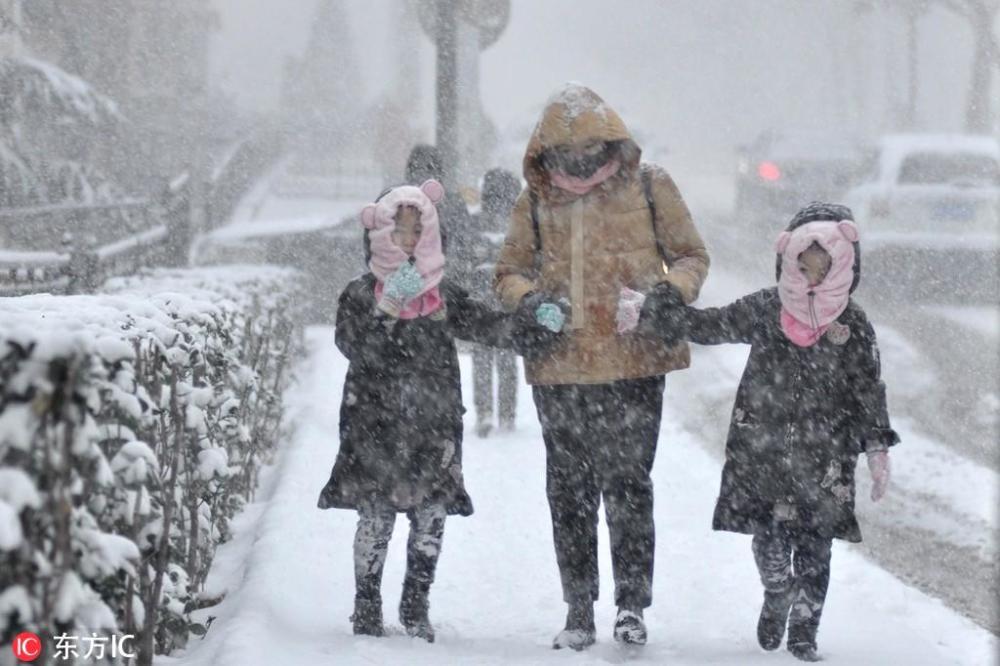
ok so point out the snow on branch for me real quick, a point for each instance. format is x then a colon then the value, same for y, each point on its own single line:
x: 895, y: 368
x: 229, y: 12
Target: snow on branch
x: 40, y: 85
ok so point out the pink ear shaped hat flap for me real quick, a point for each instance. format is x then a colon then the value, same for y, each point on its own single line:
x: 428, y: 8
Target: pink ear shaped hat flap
x: 781, y: 244
x: 434, y: 190
x: 849, y: 230
x: 368, y: 216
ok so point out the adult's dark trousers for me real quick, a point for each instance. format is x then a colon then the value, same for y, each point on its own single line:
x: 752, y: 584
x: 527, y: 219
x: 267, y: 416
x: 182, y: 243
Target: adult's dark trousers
x: 600, y: 442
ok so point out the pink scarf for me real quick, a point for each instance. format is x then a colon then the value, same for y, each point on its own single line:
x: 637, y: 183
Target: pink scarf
x: 808, y: 311
x: 583, y: 185
x: 387, y: 257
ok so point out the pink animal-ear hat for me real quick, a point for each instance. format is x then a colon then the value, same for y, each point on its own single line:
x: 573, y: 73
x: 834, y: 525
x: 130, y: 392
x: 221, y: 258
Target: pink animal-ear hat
x: 807, y: 311
x: 379, y: 219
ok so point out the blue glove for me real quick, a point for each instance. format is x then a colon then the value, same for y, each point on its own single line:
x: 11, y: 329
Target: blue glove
x: 399, y: 289
x: 550, y: 316
x: 404, y: 284
x: 538, y: 324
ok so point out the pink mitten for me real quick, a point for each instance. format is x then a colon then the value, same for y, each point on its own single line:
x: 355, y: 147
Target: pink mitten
x: 878, y: 466
x: 629, y: 306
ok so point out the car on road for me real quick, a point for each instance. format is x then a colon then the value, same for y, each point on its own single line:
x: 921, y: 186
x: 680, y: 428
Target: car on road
x: 929, y: 212
x: 782, y: 171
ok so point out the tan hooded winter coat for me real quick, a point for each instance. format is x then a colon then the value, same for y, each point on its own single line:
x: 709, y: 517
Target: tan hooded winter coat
x: 594, y: 244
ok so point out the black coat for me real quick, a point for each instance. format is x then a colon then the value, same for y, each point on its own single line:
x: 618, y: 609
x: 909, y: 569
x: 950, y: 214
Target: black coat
x: 802, y: 415
x: 401, y: 413
x: 488, y: 239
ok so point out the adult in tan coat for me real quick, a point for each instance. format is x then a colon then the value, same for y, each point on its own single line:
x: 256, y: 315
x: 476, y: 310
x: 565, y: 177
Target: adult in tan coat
x: 593, y: 222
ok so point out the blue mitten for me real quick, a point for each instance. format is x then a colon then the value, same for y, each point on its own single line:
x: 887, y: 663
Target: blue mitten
x: 539, y: 320
x: 550, y: 316
x: 400, y: 288
x: 405, y: 283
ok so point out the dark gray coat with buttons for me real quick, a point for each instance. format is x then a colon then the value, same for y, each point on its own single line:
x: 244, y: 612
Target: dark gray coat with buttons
x: 802, y: 415
x: 401, y: 414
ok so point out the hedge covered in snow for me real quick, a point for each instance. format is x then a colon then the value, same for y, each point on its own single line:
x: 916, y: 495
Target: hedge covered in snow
x: 133, y: 425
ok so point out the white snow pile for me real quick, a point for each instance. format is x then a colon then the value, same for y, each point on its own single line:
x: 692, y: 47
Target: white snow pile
x: 132, y: 427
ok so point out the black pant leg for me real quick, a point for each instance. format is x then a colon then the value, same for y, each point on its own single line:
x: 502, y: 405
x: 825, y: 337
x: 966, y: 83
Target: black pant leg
x: 507, y: 387
x: 572, y: 488
x: 812, y: 580
x: 772, y: 552
x: 482, y: 381
x: 371, y: 542
x: 423, y: 547
x: 626, y: 441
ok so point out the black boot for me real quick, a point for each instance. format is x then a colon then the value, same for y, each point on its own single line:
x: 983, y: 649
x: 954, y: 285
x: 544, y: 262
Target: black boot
x: 773, y: 618
x: 413, y: 609
x: 630, y: 629
x: 802, y: 641
x: 580, y: 632
x: 367, y: 618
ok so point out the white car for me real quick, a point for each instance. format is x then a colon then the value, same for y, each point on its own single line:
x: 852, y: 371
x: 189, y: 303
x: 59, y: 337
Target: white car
x: 930, y: 215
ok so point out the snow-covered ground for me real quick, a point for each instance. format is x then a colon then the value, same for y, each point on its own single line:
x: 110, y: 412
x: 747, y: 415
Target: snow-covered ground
x: 288, y: 572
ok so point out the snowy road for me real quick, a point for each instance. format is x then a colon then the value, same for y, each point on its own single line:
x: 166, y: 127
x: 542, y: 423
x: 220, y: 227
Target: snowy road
x: 289, y: 577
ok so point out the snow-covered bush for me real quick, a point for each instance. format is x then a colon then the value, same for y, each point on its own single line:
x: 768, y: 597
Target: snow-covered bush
x: 132, y: 428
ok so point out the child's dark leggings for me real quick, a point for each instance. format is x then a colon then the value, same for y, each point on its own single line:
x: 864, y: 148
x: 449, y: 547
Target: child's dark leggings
x: 777, y: 550
x: 371, y: 541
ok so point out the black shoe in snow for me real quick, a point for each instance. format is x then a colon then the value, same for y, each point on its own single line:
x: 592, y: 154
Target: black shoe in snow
x: 802, y: 641
x: 773, y: 618
x: 580, y: 632
x: 484, y: 426
x: 422, y: 629
x: 414, y: 607
x: 804, y: 652
x: 630, y: 629
x: 574, y: 639
x: 367, y: 618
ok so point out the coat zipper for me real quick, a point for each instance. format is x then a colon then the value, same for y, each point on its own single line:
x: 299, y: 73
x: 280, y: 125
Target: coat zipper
x: 790, y: 429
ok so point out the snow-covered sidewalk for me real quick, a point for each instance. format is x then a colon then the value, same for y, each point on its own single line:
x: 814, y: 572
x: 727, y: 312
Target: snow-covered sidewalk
x: 289, y: 576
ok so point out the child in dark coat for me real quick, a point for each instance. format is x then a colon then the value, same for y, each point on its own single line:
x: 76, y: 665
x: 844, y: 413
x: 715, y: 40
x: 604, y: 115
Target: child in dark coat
x: 810, y: 401
x: 401, y: 414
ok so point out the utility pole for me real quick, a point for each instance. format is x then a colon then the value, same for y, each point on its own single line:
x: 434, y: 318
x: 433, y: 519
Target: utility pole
x: 447, y: 89
x: 460, y: 29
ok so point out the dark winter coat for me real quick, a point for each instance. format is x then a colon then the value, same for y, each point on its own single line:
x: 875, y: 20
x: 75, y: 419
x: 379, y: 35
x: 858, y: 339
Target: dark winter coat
x: 488, y: 240
x: 500, y: 191
x: 802, y: 415
x: 401, y: 412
